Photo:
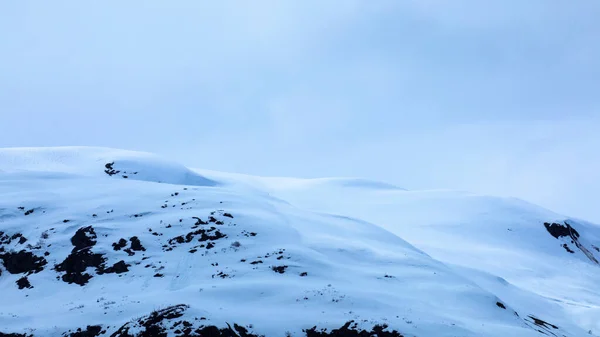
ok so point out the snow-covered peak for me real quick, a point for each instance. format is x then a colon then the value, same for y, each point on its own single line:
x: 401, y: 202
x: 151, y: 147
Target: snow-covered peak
x: 96, y: 162
x: 92, y: 245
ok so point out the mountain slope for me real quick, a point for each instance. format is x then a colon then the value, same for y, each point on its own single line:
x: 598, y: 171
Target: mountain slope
x: 167, y: 251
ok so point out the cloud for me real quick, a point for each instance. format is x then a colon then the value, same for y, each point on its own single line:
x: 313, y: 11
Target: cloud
x: 497, y: 96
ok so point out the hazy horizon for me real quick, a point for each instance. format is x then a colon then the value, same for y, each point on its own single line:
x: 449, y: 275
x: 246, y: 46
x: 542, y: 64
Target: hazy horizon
x: 497, y: 97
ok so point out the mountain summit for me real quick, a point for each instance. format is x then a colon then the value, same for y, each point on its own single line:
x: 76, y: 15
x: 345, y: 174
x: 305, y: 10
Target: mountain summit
x: 103, y: 242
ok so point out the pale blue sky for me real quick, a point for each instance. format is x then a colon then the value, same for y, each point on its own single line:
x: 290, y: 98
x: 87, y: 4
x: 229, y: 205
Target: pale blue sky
x: 498, y: 96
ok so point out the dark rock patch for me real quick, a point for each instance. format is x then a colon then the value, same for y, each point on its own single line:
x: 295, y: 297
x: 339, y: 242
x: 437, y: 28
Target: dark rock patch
x: 6, y: 334
x: 303, y: 274
x: 221, y: 275
x: 501, y: 305
x: 117, y: 268
x: 543, y: 326
x: 23, y: 283
x: 90, y: 331
x: 168, y: 322
x: 6, y: 239
x: 350, y: 329
x: 84, y: 237
x: 199, y: 221
x: 153, y: 325
x: 75, y: 265
x: 558, y: 230
x: 29, y: 211
x: 109, y: 169
x: 201, y: 234
x: 568, y: 249
x: 119, y: 245
x: 567, y: 231
x: 542, y: 323
x: 22, y: 262
x: 279, y: 269
x: 136, y: 245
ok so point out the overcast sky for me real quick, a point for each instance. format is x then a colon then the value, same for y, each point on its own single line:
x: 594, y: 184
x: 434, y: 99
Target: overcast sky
x: 499, y: 96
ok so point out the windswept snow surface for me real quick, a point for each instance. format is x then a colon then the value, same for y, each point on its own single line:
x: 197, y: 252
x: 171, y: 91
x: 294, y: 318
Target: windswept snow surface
x: 120, y: 243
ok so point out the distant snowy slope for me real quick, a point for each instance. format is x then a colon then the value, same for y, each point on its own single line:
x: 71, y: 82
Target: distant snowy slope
x: 90, y: 236
x: 97, y: 162
x: 540, y: 251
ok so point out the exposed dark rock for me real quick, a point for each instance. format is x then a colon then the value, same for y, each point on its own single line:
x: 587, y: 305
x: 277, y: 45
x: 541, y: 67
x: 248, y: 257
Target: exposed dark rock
x: 22, y: 262
x: 205, y: 235
x: 90, y: 331
x: 350, y: 329
x: 152, y: 324
x: 76, y: 264
x: 117, y: 268
x: 568, y: 249
x: 84, y: 237
x: 567, y: 231
x: 136, y: 244
x: 302, y: 274
x: 5, y: 334
x: 558, y: 230
x: 119, y: 245
x: 228, y: 215
x: 501, y: 305
x: 4, y: 239
x: 109, y: 169
x: 279, y: 269
x: 23, y: 283
x: 158, y: 324
x: 8, y: 239
x: 221, y: 275
x: 542, y: 323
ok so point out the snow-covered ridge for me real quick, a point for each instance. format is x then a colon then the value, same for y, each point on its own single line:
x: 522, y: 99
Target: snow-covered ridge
x: 84, y: 161
x: 90, y: 236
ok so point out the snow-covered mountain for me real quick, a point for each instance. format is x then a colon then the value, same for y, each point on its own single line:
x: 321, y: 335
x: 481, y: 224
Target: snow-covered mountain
x: 102, y: 242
